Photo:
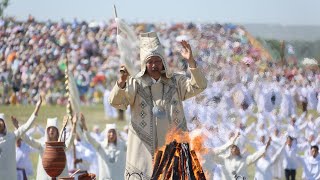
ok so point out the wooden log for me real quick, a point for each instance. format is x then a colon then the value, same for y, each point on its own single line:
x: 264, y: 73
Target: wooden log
x: 176, y: 173
x: 169, y: 173
x: 157, y: 162
x: 164, y: 160
x: 169, y: 162
x: 182, y: 162
x: 197, y: 164
x: 186, y: 150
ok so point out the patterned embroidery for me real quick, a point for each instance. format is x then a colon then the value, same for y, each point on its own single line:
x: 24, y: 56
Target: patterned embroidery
x: 143, y: 114
x: 133, y: 173
x: 176, y: 111
x: 143, y: 105
x: 143, y: 123
x: 177, y: 121
x: 174, y: 102
x: 169, y: 94
x: 145, y: 96
x: 145, y: 137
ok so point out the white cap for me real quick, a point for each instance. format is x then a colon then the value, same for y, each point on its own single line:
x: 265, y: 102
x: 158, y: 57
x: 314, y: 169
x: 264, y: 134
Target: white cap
x: 95, y: 127
x: 2, y: 116
x: 110, y: 126
x: 52, y: 122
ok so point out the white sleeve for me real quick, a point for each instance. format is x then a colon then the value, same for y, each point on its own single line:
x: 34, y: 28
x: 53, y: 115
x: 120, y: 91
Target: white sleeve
x: 32, y: 142
x: 25, y: 127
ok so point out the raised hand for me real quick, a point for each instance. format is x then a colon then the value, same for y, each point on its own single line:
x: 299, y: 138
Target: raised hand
x: 15, y: 122
x: 236, y: 137
x: 38, y: 106
x: 123, y: 76
x: 74, y: 119
x: 268, y: 143
x: 186, y: 53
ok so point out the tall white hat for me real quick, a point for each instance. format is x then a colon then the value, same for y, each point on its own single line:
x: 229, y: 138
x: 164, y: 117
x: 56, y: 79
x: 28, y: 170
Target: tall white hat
x: 150, y: 46
x: 52, y: 122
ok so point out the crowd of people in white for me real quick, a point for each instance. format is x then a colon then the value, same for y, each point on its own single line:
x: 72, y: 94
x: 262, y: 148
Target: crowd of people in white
x: 257, y: 109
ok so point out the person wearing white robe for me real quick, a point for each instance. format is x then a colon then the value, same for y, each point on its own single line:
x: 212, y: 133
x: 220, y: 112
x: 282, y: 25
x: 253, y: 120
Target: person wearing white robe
x: 96, y: 134
x: 264, y: 165
x: 24, y: 164
x: 312, y: 98
x: 84, y: 156
x: 155, y: 96
x: 311, y: 165
x: 209, y: 166
x: 277, y: 170
x: 52, y: 134
x: 235, y: 165
x: 111, y: 153
x: 290, y: 158
x: 318, y: 105
x: 8, y: 166
x: 110, y: 112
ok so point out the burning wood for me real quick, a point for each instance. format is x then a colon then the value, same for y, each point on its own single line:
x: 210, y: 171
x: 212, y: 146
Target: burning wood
x: 198, y: 167
x: 177, y: 162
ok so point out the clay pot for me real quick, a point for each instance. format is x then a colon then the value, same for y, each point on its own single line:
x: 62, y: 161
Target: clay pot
x: 54, y: 158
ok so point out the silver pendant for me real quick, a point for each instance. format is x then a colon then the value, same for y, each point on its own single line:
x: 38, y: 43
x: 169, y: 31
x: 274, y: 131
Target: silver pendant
x: 159, y: 112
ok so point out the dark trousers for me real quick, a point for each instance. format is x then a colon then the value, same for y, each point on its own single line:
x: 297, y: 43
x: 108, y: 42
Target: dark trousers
x: 290, y: 174
x: 304, y: 106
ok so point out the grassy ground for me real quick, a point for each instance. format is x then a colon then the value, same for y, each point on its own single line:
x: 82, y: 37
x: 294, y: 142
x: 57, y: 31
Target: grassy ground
x: 94, y: 115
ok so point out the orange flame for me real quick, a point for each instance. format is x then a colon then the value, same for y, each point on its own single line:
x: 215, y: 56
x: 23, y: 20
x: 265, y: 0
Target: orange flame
x: 196, y: 141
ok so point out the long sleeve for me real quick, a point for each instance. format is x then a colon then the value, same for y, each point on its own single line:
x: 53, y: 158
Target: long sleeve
x: 250, y: 128
x: 254, y: 157
x: 121, y: 98
x: 190, y: 87
x: 299, y: 120
x: 92, y: 141
x: 25, y: 127
x: 36, y: 144
x: 69, y: 141
x: 276, y: 156
x: 223, y: 148
x: 97, y: 147
x: 219, y: 158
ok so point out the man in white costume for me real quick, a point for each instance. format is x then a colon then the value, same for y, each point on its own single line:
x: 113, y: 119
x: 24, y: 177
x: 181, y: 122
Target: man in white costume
x: 52, y: 134
x: 110, y: 112
x: 235, y: 165
x: 311, y: 164
x: 264, y: 165
x: 277, y: 138
x: 290, y: 158
x: 111, y: 153
x: 24, y: 163
x: 82, y: 158
x: 155, y: 97
x: 8, y: 168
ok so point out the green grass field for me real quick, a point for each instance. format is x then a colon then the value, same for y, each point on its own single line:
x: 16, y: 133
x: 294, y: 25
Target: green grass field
x: 94, y: 115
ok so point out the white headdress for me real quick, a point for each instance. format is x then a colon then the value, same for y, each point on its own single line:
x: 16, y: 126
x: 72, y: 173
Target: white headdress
x: 110, y: 126
x: 150, y: 46
x: 2, y: 116
x: 52, y: 122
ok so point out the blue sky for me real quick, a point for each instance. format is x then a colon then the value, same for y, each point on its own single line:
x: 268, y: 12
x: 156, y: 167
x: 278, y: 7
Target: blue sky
x: 286, y: 12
